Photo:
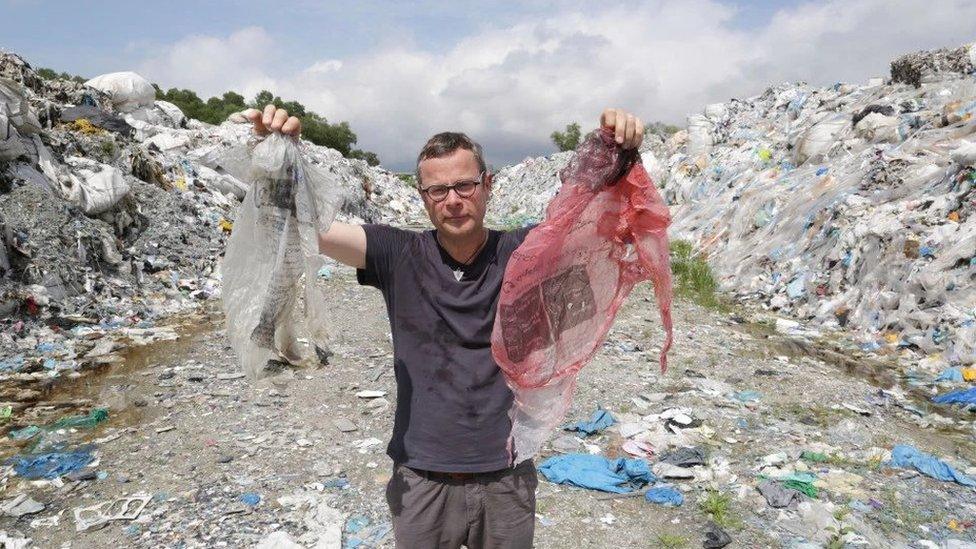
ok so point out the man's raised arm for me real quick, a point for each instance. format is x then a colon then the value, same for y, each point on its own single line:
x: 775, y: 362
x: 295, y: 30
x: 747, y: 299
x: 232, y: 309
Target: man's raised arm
x: 343, y: 242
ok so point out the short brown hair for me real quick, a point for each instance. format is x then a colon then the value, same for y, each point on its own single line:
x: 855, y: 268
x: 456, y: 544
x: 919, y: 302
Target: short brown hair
x: 444, y: 144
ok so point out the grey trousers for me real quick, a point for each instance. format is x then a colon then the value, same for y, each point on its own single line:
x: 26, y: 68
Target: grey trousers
x: 491, y: 511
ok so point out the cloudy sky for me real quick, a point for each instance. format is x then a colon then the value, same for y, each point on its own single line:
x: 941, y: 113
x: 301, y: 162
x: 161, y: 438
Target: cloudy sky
x: 507, y: 73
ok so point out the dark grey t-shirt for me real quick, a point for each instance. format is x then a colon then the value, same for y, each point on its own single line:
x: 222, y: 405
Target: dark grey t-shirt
x: 452, y: 400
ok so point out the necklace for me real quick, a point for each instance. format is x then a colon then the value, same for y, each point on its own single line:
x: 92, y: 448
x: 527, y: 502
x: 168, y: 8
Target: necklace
x: 459, y: 271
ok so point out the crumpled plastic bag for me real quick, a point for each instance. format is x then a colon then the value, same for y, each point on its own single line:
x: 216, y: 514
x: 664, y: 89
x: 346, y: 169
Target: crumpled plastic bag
x: 617, y: 476
x: 275, y: 315
x: 604, y: 232
x: 127, y: 89
x: 94, y: 187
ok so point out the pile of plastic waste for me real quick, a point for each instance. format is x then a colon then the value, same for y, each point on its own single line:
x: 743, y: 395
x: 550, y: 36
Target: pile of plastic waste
x: 115, y: 209
x: 850, y: 207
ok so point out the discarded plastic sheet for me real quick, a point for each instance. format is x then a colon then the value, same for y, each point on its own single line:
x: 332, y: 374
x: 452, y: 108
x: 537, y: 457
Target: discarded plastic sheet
x: 51, y: 465
x: 637, y: 448
x: 26, y: 433
x: 684, y: 457
x: 605, y: 231
x: 92, y: 186
x: 8, y: 541
x: 963, y: 397
x: 906, y: 456
x: 777, y: 495
x: 664, y: 495
x: 98, y: 117
x: 599, y: 420
x: 93, y: 418
x: 950, y: 374
x: 715, y: 537
x: 370, y: 537
x: 274, y: 315
x: 21, y: 505
x: 619, y: 475
x: 123, y: 508
x: 801, y: 482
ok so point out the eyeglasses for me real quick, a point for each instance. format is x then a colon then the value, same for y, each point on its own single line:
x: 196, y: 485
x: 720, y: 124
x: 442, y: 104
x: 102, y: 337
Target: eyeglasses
x: 464, y: 188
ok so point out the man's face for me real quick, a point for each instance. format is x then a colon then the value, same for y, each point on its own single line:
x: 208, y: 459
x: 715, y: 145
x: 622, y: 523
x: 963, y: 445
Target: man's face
x: 455, y: 216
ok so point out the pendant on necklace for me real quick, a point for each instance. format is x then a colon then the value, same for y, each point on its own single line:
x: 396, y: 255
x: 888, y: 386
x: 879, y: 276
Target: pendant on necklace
x: 458, y: 273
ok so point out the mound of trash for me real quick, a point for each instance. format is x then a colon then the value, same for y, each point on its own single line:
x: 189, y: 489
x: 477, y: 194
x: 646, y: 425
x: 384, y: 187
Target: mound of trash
x: 115, y: 209
x: 849, y: 207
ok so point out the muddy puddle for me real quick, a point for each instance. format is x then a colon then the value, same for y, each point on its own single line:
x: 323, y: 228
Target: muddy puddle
x: 123, y: 386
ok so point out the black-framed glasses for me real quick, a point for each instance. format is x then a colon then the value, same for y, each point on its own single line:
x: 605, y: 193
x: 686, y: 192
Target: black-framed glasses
x: 464, y: 188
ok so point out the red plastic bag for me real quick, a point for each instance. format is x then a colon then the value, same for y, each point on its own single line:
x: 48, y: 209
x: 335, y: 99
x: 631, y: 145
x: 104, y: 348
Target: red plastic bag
x: 604, y: 232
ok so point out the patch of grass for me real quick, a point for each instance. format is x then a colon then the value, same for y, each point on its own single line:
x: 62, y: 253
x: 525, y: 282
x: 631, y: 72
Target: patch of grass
x: 408, y: 178
x: 693, y: 278
x: 900, y: 516
x: 718, y: 507
x: 671, y: 541
x: 107, y: 148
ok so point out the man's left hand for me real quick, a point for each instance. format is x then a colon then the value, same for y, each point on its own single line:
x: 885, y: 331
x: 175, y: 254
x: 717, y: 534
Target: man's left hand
x: 628, y: 129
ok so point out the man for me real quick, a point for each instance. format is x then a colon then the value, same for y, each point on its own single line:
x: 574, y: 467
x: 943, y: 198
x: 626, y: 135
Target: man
x: 453, y: 482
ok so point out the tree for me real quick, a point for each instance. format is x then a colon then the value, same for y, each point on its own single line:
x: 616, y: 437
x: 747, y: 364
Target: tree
x: 51, y: 74
x: 568, y: 140
x: 369, y: 157
x: 315, y: 127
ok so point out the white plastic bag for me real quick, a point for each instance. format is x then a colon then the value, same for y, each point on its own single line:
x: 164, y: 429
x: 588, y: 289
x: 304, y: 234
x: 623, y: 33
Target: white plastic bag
x: 92, y: 186
x: 817, y: 141
x: 274, y: 316
x: 16, y: 119
x: 699, y: 135
x: 127, y: 89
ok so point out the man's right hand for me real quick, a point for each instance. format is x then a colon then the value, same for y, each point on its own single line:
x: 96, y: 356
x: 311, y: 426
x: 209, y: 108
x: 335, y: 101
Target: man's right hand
x: 273, y: 119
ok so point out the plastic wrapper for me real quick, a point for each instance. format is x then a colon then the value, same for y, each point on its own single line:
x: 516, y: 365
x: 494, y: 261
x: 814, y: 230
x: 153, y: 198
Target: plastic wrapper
x: 275, y: 315
x: 605, y: 231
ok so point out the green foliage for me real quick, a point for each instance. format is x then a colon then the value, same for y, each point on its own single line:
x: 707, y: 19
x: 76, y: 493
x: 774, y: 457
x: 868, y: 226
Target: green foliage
x: 51, y: 74
x: 660, y: 128
x: 569, y: 139
x: 369, y: 157
x: 107, y: 148
x: 215, y: 110
x: 315, y: 128
x: 693, y: 277
x: 408, y: 178
x: 718, y: 507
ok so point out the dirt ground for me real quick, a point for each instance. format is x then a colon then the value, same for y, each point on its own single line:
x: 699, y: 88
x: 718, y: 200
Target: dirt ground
x: 190, y: 433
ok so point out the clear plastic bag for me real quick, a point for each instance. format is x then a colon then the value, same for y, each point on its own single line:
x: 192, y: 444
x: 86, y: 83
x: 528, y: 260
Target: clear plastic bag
x: 273, y: 316
x: 605, y: 231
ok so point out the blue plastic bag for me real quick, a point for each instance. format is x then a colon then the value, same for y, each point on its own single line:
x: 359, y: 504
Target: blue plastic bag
x: 600, y: 420
x: 597, y: 472
x: 51, y: 465
x: 665, y: 495
x: 965, y: 397
x: 908, y: 456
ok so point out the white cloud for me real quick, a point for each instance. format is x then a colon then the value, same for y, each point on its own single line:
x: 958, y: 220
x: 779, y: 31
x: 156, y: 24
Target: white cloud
x: 210, y: 66
x: 325, y: 66
x: 509, y: 87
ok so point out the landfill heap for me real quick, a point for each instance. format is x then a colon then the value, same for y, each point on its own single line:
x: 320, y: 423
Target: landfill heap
x: 114, y: 210
x: 848, y: 207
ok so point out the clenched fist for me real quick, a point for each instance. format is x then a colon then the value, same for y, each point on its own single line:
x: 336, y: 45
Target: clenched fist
x: 628, y: 129
x: 273, y: 119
